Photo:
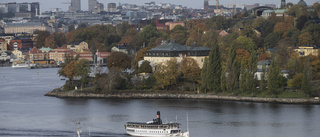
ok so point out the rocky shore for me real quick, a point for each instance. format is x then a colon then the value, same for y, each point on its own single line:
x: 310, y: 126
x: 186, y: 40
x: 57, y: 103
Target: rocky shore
x: 74, y: 94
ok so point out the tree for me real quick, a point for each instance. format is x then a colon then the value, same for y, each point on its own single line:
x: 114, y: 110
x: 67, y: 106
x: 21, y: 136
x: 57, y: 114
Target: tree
x: 305, y: 39
x: 232, y: 70
x: 82, y: 69
x: 140, y: 55
x: 145, y: 67
x: 50, y: 42
x: 191, y: 70
x: 118, y: 60
x: 251, y: 71
x: 272, y: 39
x: 204, y: 75
x: 147, y: 34
x: 296, y: 81
x: 274, y: 78
x: 180, y: 34
x: 214, y: 69
x: 209, y: 38
x: 41, y: 38
x: 262, y: 81
x: 301, y: 21
x: 305, y: 84
x: 167, y: 73
x: 294, y: 66
x: 242, y: 79
x: 246, y: 43
x: 70, y: 70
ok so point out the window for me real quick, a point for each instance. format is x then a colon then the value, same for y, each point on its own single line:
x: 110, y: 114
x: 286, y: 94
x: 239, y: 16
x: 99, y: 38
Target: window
x: 201, y: 59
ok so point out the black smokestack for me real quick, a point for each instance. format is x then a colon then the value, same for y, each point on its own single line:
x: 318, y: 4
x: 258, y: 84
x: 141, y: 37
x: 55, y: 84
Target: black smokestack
x: 158, y: 117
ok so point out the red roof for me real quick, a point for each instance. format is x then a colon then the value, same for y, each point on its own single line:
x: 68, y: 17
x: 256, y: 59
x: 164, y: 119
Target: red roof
x: 158, y: 24
x: 35, y: 50
x: 2, y: 40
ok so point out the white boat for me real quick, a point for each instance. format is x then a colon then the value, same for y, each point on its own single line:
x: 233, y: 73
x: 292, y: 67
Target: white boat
x: 155, y: 128
x: 22, y: 65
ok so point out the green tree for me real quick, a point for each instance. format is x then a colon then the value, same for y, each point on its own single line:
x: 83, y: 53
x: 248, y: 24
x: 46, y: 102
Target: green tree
x: 214, y: 69
x: 140, y: 55
x: 252, y: 69
x: 180, y: 34
x: 274, y: 78
x: 242, y: 79
x: 204, y: 75
x: 305, y: 85
x: 232, y: 70
x: 246, y: 43
x: 145, y: 67
x: 305, y: 39
x: 191, y: 70
x: 296, y: 81
x: 272, y: 39
x: 118, y: 60
x: 294, y: 66
x: 262, y: 81
x: 167, y: 73
x: 147, y: 34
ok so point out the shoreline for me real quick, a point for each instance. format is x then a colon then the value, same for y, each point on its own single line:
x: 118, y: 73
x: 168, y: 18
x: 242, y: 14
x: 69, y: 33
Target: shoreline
x: 71, y: 94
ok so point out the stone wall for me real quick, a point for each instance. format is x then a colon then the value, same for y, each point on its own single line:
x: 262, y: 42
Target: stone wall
x: 72, y: 94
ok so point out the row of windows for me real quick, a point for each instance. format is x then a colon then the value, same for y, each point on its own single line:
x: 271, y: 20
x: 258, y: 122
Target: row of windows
x: 163, y: 60
x: 176, y: 54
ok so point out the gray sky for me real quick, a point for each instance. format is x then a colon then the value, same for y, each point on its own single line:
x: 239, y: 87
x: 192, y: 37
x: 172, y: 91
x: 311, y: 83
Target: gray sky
x: 45, y: 5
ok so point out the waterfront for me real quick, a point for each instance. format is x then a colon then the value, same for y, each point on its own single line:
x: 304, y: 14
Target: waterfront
x: 25, y: 111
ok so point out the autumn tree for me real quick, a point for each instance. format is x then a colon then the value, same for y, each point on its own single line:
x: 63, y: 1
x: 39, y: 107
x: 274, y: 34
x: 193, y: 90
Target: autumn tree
x: 118, y: 60
x: 140, y: 55
x: 41, y: 38
x: 305, y: 39
x: 82, y: 69
x: 70, y: 70
x: 167, y: 73
x: 191, y: 70
x: 50, y: 42
x: 209, y: 38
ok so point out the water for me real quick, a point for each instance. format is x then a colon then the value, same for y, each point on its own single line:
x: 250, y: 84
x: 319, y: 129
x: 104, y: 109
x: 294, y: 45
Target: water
x: 25, y: 111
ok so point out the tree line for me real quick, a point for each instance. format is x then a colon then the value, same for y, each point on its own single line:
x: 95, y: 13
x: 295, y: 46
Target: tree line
x: 231, y: 65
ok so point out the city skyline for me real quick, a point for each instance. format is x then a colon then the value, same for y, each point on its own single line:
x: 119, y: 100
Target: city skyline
x: 46, y: 5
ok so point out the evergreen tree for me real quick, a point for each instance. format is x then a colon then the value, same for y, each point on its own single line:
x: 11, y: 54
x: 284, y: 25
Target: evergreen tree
x: 305, y: 85
x: 232, y: 69
x: 223, y: 80
x: 262, y: 80
x: 204, y: 75
x: 252, y: 69
x: 214, y: 69
x: 274, y: 77
x: 242, y: 76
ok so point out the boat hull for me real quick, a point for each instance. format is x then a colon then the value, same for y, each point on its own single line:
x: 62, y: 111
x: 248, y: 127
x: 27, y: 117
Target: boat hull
x: 22, y: 65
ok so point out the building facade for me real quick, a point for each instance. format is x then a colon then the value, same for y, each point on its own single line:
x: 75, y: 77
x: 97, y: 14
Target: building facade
x: 78, y: 46
x: 176, y: 51
x: 306, y: 50
x: 174, y: 24
x: 75, y: 5
x: 20, y: 43
x: 3, y: 45
x: 59, y: 54
x: 13, y: 28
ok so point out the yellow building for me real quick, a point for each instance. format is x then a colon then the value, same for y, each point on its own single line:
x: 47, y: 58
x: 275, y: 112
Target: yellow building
x: 18, y: 54
x: 306, y: 50
x: 78, y: 46
x: 176, y: 51
x: 3, y: 45
x: 30, y: 27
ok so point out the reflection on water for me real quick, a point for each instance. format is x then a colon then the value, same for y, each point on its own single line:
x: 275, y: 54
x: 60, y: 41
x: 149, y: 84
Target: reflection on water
x: 25, y: 111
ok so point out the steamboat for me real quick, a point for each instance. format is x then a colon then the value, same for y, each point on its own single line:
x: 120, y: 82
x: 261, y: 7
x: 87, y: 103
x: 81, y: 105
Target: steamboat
x: 155, y: 128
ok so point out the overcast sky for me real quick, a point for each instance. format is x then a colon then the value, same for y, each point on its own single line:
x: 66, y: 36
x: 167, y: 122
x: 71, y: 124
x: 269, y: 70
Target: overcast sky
x: 45, y: 5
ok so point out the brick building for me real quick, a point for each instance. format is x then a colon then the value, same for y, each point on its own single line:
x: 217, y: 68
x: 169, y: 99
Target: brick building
x: 20, y: 43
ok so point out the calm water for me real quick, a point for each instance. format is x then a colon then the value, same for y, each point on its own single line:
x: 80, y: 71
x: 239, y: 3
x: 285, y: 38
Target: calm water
x: 25, y: 111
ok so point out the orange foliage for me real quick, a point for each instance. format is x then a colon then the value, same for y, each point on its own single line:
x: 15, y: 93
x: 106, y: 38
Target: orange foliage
x: 264, y: 56
x: 241, y: 53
